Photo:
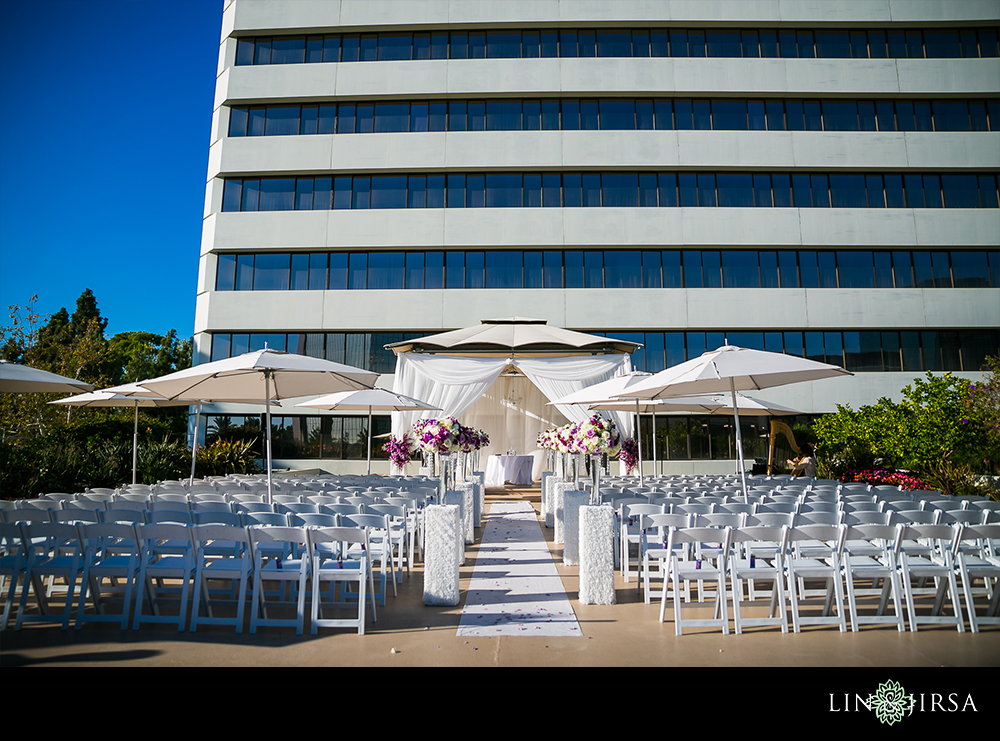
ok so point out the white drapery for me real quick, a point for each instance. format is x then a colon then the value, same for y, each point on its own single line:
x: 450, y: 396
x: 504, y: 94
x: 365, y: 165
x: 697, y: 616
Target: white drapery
x: 511, y: 411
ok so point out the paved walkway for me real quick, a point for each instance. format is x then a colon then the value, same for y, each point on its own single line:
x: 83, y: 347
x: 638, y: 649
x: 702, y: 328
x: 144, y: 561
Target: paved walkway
x: 515, y: 588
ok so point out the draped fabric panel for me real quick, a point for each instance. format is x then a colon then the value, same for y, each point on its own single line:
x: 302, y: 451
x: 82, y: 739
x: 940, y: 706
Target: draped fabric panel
x: 512, y: 412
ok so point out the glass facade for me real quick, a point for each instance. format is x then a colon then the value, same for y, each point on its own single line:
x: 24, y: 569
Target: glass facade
x: 616, y: 42
x: 616, y: 114
x: 856, y: 350
x: 614, y: 190
x: 622, y: 268
x: 336, y: 437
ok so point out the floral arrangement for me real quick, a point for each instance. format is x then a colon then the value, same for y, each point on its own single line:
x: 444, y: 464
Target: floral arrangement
x: 399, y: 449
x: 448, y: 435
x: 437, y: 435
x: 629, y: 455
x: 907, y: 481
x: 599, y: 435
x: 595, y: 435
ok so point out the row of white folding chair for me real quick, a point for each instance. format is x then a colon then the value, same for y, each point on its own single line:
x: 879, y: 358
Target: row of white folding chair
x: 895, y: 565
x: 138, y: 555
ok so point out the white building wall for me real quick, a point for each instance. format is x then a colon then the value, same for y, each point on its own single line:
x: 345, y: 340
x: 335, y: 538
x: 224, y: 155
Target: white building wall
x: 605, y: 309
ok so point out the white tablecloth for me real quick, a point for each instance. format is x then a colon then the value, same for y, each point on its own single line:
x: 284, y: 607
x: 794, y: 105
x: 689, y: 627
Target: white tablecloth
x: 513, y: 468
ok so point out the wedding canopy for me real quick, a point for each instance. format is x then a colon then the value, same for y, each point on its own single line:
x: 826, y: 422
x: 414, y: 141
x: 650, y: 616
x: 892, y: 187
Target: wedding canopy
x: 499, y: 376
x: 514, y: 336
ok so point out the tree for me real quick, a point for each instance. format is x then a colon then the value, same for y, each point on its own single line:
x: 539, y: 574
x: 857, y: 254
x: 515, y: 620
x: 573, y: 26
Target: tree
x: 141, y: 355
x: 932, y: 433
x: 983, y: 401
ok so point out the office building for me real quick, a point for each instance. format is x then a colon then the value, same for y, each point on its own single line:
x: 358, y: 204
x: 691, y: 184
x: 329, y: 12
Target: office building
x: 815, y: 178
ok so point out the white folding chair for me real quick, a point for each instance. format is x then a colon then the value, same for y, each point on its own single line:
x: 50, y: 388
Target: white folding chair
x: 265, y: 544
x: 630, y: 536
x: 110, y: 552
x: 12, y: 565
x: 379, y: 548
x: 401, y: 539
x: 222, y: 553
x: 826, y: 567
x: 939, y: 566
x: 52, y: 549
x: 163, y: 556
x: 653, y: 532
x: 981, y: 565
x: 861, y: 563
x: 682, y: 572
x: 330, y: 565
x: 744, y: 565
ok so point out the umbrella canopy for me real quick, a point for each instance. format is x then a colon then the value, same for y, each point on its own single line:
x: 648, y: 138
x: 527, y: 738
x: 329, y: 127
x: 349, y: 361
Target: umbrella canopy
x: 731, y: 368
x: 261, y: 376
x: 515, y: 337
x: 718, y: 404
x: 381, y: 400
x: 719, y: 371
x: 108, y: 398
x: 23, y: 379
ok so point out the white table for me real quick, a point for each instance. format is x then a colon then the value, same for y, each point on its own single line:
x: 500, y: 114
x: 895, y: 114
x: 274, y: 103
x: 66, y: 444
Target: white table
x: 513, y: 468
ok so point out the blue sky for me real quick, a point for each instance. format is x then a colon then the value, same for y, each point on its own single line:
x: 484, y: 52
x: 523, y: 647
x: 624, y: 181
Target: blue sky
x: 104, y: 132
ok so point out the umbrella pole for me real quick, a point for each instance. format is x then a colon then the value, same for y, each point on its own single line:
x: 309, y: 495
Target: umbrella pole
x: 135, y: 441
x: 739, y: 438
x: 194, y: 441
x: 638, y: 437
x: 655, y: 472
x: 369, y: 441
x: 267, y: 407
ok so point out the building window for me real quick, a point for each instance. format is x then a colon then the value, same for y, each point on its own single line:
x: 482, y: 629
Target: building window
x: 535, y: 43
x: 616, y: 189
x: 621, y: 269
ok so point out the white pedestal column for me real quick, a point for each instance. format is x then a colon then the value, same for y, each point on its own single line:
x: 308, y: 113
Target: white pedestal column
x: 443, y: 527
x: 456, y: 498
x: 572, y: 502
x: 548, y: 497
x: 597, y: 555
x: 545, y: 500
x: 479, y: 478
x: 468, y: 489
x: 558, y: 492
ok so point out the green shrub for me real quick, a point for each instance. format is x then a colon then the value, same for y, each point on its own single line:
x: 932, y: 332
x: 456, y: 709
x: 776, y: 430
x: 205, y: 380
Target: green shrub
x: 227, y: 456
x: 163, y: 460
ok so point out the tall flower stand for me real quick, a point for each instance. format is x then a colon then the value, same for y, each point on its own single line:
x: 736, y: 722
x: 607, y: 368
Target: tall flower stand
x: 573, y: 501
x: 559, y: 490
x: 597, y: 555
x: 458, y: 499
x: 443, y: 527
x: 479, y: 479
x: 546, y: 475
x: 549, y: 493
x: 468, y: 489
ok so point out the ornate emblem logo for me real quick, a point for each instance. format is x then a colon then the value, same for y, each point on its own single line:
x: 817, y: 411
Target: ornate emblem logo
x: 890, y: 702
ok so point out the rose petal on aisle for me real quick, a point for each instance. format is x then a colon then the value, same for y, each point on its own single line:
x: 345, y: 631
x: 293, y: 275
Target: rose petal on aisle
x: 515, y: 588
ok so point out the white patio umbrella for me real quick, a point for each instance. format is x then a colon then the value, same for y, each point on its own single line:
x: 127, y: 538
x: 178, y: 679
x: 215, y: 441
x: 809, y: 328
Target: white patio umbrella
x: 714, y: 405
x: 261, y: 376
x: 108, y: 398
x: 607, y: 391
x: 23, y: 379
x: 381, y: 400
x: 137, y: 391
x: 731, y: 368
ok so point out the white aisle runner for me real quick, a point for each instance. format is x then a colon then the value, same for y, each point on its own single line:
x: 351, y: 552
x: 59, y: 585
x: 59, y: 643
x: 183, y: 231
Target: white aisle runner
x: 515, y: 588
